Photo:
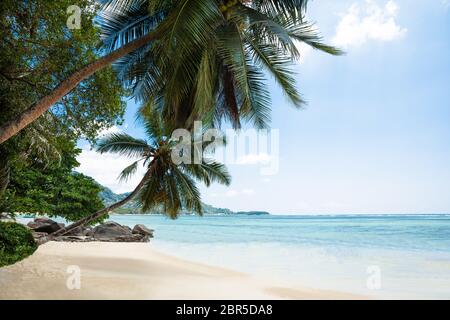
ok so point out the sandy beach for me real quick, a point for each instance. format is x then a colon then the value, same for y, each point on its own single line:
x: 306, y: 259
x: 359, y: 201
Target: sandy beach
x: 133, y: 271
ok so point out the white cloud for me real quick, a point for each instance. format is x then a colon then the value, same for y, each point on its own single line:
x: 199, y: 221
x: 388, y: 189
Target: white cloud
x: 231, y: 193
x: 105, y: 169
x: 235, y: 193
x: 368, y: 21
x: 261, y: 158
x: 248, y: 192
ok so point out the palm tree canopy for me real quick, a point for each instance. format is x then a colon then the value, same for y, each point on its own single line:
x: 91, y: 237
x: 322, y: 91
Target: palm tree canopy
x: 170, y: 185
x: 212, y: 59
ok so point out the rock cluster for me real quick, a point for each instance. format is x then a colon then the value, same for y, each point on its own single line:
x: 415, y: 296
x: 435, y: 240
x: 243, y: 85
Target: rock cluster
x: 107, y: 232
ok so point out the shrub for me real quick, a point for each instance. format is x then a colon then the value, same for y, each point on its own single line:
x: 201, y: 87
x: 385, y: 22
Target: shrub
x: 16, y: 243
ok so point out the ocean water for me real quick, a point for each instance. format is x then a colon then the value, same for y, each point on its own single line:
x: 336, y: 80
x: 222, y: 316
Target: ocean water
x: 380, y: 256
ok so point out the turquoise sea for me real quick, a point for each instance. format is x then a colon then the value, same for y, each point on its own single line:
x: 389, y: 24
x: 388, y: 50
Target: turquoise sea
x: 408, y: 256
x: 380, y: 256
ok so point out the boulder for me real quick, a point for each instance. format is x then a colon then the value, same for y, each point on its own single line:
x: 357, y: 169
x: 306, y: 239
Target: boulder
x: 107, y: 232
x: 78, y: 231
x: 32, y: 225
x: 143, y: 230
x: 129, y: 238
x: 73, y: 239
x: 44, y: 225
x: 39, y: 235
x: 110, y: 230
x: 88, y: 231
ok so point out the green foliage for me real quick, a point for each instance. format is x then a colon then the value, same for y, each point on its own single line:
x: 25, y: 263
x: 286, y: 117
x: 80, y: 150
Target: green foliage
x: 16, y: 243
x: 54, y: 190
x: 37, y: 51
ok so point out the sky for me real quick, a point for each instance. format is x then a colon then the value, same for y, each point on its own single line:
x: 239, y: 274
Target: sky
x: 375, y: 134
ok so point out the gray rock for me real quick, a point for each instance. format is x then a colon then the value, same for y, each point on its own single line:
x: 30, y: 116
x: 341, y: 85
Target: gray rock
x: 32, y: 225
x: 39, y: 235
x: 143, y: 230
x: 88, y: 231
x: 80, y: 232
x: 44, y: 225
x: 74, y: 239
x: 110, y: 230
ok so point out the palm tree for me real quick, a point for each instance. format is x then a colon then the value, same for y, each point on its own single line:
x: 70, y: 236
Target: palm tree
x: 196, y: 53
x: 223, y: 76
x: 165, y: 183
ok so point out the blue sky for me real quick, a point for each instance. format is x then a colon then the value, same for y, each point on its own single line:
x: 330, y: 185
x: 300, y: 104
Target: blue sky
x: 375, y: 135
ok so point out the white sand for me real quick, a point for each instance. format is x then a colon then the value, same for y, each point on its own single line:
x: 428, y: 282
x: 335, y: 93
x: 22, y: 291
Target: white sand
x: 133, y: 271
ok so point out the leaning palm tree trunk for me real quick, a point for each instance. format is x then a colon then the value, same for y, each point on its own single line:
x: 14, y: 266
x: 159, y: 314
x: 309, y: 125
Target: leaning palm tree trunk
x: 13, y: 126
x: 97, y: 214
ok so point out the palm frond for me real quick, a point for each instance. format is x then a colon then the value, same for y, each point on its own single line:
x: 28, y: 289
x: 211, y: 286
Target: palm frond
x: 123, y: 144
x: 288, y: 8
x: 123, y: 21
x: 188, y: 191
x: 126, y: 173
x: 279, y: 67
x: 209, y: 171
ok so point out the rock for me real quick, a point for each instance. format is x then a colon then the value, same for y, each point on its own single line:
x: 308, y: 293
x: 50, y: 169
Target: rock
x: 32, y: 225
x: 39, y: 235
x: 131, y: 238
x: 143, y: 230
x: 74, y: 239
x: 88, y: 231
x: 78, y: 231
x: 44, y: 225
x: 110, y: 230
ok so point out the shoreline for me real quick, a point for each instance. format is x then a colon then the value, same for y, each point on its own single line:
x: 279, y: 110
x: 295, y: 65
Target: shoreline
x: 135, y: 271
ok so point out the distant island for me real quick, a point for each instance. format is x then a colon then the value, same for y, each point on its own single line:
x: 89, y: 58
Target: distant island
x: 109, y: 197
x: 253, y: 213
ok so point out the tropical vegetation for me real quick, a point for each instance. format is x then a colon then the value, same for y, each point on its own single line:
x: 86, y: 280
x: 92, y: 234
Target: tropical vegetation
x: 37, y: 51
x: 194, y: 57
x: 53, y: 189
x: 16, y: 243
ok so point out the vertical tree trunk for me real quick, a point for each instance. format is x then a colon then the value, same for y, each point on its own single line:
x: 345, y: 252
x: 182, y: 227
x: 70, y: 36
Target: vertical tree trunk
x: 13, y: 126
x: 97, y: 214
